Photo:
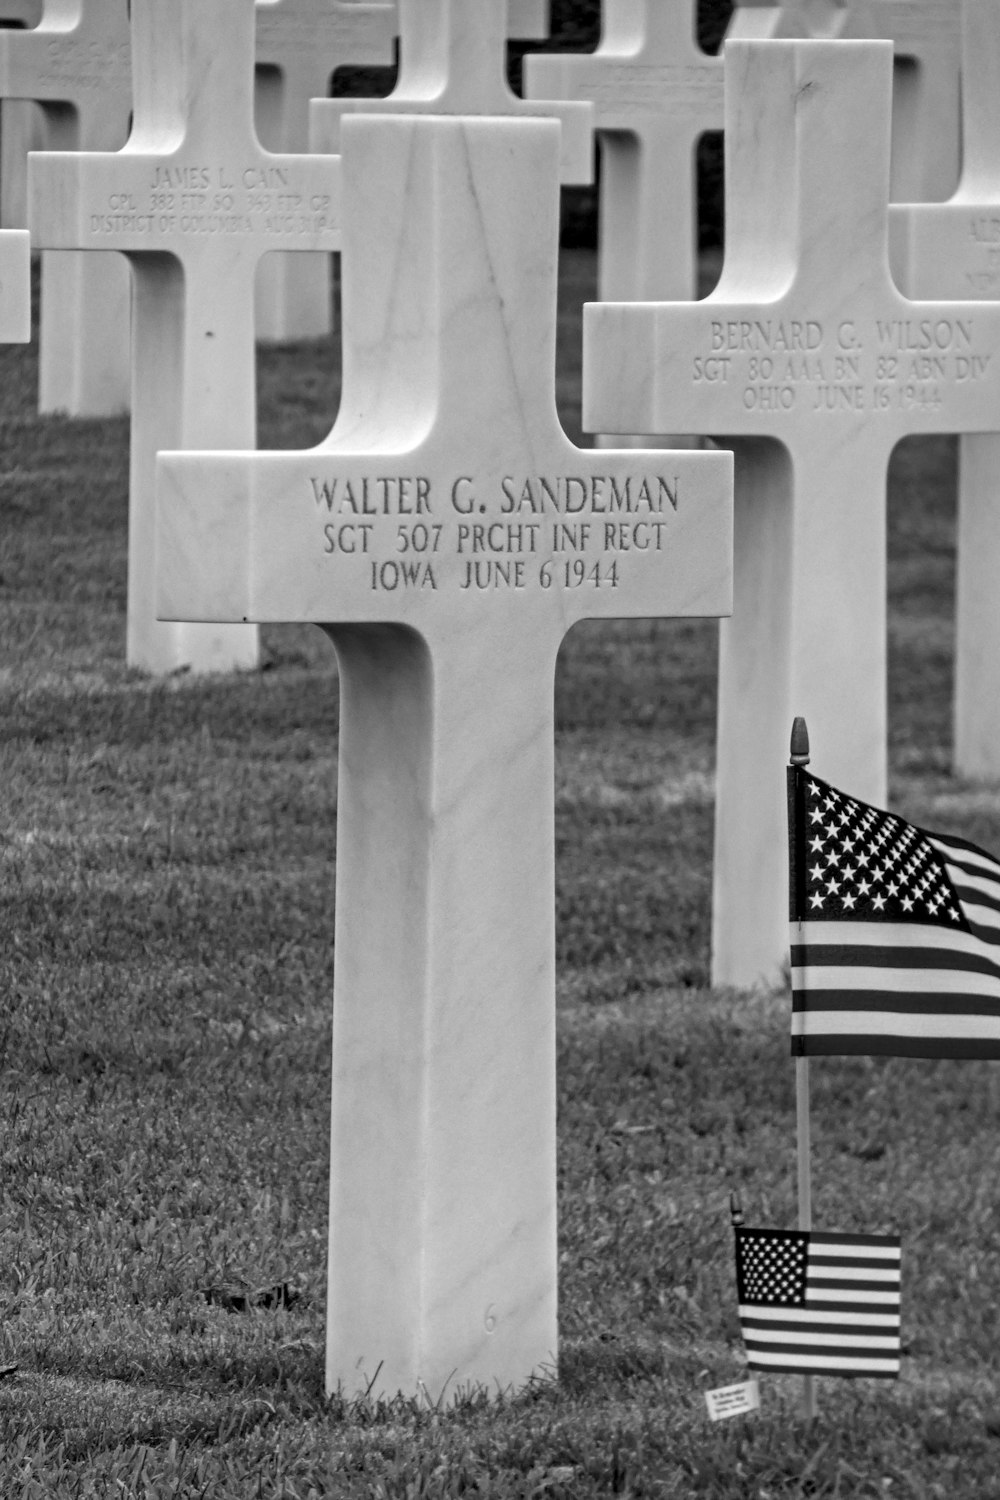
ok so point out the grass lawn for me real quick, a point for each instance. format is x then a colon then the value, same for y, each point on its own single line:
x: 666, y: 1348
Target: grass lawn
x: 167, y: 851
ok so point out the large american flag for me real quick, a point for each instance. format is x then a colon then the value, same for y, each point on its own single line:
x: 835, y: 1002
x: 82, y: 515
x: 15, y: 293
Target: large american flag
x: 895, y: 932
x: 819, y: 1304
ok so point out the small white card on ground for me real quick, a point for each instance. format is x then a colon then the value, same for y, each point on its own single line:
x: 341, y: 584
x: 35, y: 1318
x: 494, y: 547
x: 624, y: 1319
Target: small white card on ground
x: 733, y: 1400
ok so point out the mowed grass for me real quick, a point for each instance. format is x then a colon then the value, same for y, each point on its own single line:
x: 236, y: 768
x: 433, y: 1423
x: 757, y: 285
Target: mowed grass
x: 167, y: 858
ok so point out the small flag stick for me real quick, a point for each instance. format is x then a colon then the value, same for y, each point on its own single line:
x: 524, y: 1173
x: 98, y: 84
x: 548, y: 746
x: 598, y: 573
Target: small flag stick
x: 799, y: 756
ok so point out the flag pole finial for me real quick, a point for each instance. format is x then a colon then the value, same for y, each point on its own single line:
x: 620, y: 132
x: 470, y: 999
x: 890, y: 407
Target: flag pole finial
x: 799, y: 751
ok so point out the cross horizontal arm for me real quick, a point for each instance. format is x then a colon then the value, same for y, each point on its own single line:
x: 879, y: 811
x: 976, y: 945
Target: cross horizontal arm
x: 138, y: 203
x: 447, y: 473
x: 778, y: 370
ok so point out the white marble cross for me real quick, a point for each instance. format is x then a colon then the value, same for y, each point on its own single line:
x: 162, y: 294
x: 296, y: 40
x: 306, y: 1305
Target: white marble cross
x: 655, y: 93
x: 15, y: 286
x: 75, y: 63
x: 300, y: 44
x: 953, y: 250
x: 453, y: 62
x: 812, y: 364
x: 447, y: 534
x: 22, y: 127
x: 194, y: 202
x: 926, y: 95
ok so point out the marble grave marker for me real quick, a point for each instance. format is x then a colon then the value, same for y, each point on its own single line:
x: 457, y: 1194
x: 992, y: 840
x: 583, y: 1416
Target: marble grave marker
x: 75, y: 64
x: 22, y: 127
x: 808, y: 360
x: 300, y: 44
x: 15, y: 286
x: 655, y: 93
x: 926, y: 96
x: 193, y: 201
x: 953, y: 250
x: 446, y: 535
x: 453, y: 62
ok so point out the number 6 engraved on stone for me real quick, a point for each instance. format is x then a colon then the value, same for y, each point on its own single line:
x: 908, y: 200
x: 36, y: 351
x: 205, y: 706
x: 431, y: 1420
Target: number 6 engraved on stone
x: 490, y: 1318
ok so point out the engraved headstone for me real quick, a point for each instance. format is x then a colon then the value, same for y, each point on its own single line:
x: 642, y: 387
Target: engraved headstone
x: 75, y: 64
x: 953, y: 250
x: 446, y: 534
x: 453, y: 62
x: 808, y: 360
x: 193, y: 201
x: 15, y: 286
x: 655, y: 93
x: 300, y: 44
x: 926, y: 100
x: 22, y: 127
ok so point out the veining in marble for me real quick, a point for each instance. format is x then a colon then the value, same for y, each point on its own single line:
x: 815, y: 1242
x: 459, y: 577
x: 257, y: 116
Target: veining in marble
x: 300, y: 45
x: 953, y: 250
x: 453, y: 62
x: 78, y: 56
x: 926, y: 93
x: 194, y: 202
x: 808, y: 360
x: 446, y: 534
x: 655, y: 93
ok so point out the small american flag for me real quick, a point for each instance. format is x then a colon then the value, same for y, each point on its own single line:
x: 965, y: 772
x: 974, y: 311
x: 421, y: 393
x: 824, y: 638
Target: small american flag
x: 819, y: 1304
x: 895, y: 932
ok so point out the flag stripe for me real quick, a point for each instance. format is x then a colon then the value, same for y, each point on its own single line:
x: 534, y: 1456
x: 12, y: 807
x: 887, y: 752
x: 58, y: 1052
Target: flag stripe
x: 875, y: 1321
x: 975, y: 887
x: 965, y: 982
x: 863, y: 1002
x: 791, y: 1362
x: 894, y: 1044
x: 858, y: 1247
x: 858, y: 1294
x: 836, y: 1275
x: 959, y: 849
x: 870, y: 955
x: 880, y: 935
x: 847, y: 1021
x: 790, y: 1337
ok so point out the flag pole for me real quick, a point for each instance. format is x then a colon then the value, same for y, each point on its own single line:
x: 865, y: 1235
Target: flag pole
x: 799, y: 756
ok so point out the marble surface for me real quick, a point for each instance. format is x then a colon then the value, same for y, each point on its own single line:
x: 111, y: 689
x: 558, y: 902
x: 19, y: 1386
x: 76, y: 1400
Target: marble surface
x: 447, y: 534
x: 194, y: 202
x: 809, y: 361
x: 21, y: 128
x: 926, y: 94
x: 15, y: 286
x: 655, y: 93
x: 78, y: 56
x: 300, y: 44
x: 453, y: 62
x: 953, y: 250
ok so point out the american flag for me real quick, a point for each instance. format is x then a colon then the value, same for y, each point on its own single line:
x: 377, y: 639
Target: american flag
x: 819, y: 1304
x: 895, y: 932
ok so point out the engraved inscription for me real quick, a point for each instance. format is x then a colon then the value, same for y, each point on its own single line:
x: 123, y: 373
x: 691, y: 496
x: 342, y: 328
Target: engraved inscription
x: 197, y: 199
x: 287, y: 33
x: 517, y: 532
x: 981, y: 262
x: 87, y: 65
x: 645, y: 89
x: 852, y: 366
